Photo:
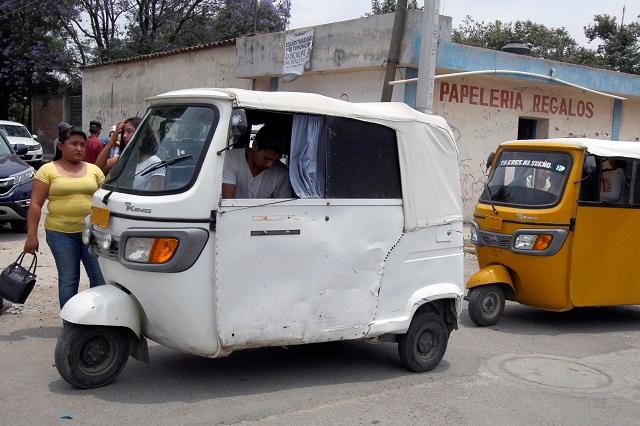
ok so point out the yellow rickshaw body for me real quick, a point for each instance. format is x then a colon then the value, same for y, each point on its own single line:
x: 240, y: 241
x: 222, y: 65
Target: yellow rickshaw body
x: 595, y: 265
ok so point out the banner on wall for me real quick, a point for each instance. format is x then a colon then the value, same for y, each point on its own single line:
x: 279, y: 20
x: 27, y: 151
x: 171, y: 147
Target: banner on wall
x: 297, y: 54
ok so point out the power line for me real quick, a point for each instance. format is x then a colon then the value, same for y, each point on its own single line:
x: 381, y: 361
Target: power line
x: 19, y: 8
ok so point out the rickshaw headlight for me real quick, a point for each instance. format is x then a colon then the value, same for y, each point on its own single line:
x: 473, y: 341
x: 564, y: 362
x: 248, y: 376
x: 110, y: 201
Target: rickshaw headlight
x: 104, y: 241
x: 150, y: 250
x: 86, y: 236
x: 473, y: 233
x: 534, y: 242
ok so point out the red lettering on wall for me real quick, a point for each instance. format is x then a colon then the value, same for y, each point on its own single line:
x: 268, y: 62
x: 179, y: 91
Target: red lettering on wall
x: 454, y: 94
x: 444, y: 90
x: 474, y: 94
x: 504, y: 99
x: 495, y: 99
x: 589, y: 112
x: 563, y: 107
x: 536, y: 103
x: 482, y: 101
x: 513, y: 99
x: 518, y: 104
x: 464, y: 92
x: 545, y: 104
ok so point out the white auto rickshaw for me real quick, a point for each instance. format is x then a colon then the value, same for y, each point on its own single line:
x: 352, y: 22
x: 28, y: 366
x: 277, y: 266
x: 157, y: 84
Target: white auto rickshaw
x: 369, y: 246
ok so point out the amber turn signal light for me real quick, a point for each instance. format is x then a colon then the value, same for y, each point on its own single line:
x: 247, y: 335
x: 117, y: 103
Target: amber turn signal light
x: 163, y: 250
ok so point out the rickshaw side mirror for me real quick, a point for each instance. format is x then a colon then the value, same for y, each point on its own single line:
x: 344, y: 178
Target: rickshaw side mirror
x: 490, y: 158
x: 239, y: 123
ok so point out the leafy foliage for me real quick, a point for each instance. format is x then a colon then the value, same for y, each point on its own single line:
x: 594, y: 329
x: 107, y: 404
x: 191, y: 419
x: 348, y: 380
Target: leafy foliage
x: 34, y: 58
x: 124, y: 28
x: 619, y: 49
x: 389, y: 6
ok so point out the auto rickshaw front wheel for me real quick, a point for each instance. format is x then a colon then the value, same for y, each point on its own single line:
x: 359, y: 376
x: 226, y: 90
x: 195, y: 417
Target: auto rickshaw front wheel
x: 89, y: 357
x: 486, y: 304
x: 423, y: 345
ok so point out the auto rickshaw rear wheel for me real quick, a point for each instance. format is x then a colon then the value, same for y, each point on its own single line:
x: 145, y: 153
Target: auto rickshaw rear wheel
x: 486, y: 304
x: 423, y: 345
x: 89, y: 357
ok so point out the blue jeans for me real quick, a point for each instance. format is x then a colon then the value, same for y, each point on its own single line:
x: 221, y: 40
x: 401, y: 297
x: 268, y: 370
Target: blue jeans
x: 68, y: 251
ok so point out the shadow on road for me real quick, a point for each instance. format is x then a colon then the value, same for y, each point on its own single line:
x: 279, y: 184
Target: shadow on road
x: 35, y: 332
x: 524, y: 320
x: 174, y: 376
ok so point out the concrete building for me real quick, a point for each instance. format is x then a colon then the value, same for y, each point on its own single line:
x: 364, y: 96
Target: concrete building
x: 347, y: 62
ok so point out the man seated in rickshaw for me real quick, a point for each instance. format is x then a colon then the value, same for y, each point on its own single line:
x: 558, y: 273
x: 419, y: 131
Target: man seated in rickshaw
x: 611, y: 181
x: 257, y: 172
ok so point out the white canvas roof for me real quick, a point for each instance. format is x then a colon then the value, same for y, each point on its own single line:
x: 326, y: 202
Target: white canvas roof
x: 426, y: 147
x: 600, y: 147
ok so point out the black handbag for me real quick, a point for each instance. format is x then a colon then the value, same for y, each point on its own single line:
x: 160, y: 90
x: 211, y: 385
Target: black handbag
x: 16, y: 281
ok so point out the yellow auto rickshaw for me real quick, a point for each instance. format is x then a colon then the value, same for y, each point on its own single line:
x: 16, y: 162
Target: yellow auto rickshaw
x: 557, y: 227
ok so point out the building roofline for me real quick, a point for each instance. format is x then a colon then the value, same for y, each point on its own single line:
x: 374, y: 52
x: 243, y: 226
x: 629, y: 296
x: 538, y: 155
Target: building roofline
x: 222, y: 43
x: 461, y: 57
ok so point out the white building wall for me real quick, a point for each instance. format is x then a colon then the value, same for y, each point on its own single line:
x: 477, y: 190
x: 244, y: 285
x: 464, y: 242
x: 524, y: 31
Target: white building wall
x: 354, y: 86
x: 630, y: 126
x: 111, y: 93
x: 480, y: 128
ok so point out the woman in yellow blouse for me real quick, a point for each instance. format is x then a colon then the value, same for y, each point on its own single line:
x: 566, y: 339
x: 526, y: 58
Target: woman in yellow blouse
x: 68, y: 183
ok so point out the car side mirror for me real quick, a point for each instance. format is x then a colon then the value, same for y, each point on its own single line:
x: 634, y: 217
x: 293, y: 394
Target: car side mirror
x: 490, y: 158
x: 35, y: 137
x: 239, y: 123
x: 20, y: 149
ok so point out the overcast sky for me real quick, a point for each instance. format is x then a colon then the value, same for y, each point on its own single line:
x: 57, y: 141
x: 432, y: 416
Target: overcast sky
x: 571, y: 14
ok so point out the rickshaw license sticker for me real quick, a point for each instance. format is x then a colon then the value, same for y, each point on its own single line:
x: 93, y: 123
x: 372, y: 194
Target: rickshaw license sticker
x: 100, y: 216
x: 554, y: 373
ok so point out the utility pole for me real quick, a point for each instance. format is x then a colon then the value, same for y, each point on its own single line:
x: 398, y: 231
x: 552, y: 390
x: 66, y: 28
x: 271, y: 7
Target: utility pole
x: 428, y: 55
x: 394, y: 50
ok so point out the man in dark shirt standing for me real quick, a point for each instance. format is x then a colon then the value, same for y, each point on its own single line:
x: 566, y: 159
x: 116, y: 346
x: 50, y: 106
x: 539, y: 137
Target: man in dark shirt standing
x: 93, y: 146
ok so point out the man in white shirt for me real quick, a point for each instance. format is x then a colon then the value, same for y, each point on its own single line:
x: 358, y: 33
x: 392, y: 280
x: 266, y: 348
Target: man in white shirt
x: 257, y: 172
x: 611, y: 181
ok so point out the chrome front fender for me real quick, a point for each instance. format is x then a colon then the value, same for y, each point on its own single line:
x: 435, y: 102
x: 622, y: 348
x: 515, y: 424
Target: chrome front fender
x: 103, y: 305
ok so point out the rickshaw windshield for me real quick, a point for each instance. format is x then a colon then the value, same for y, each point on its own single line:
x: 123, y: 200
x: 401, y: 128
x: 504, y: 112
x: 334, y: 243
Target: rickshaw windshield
x: 528, y: 178
x: 166, y: 151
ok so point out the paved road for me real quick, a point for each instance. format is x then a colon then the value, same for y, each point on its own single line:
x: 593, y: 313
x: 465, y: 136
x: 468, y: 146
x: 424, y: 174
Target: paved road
x: 535, y: 367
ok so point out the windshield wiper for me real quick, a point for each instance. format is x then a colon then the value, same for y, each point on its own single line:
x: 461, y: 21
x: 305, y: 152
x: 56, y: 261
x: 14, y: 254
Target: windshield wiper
x: 163, y: 163
x: 150, y: 168
x: 486, y: 185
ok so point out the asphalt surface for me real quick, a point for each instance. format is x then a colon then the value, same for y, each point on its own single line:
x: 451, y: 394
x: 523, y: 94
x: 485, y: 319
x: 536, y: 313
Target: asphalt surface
x: 534, y: 367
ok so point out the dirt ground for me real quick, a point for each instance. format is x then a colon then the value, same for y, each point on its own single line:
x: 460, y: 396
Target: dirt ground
x: 42, y: 306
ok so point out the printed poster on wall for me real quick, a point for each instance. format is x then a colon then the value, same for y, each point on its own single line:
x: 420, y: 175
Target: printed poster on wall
x: 297, y: 54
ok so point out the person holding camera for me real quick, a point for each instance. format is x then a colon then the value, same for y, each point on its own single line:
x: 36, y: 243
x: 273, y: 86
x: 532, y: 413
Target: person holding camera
x: 110, y: 153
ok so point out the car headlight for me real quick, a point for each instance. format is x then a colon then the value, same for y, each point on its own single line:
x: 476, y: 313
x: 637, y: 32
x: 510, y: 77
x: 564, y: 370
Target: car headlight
x: 535, y: 242
x: 23, y: 176
x: 150, y: 250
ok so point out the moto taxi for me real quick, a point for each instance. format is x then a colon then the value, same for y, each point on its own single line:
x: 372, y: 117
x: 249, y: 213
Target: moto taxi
x: 556, y: 227
x: 368, y: 247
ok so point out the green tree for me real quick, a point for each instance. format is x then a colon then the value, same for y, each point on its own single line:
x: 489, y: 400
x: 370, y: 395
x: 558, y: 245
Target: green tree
x: 620, y: 43
x: 389, y: 6
x: 34, y: 58
x: 548, y: 43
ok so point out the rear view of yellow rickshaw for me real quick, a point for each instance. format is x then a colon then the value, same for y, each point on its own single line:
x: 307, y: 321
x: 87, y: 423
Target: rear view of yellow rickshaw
x: 557, y: 226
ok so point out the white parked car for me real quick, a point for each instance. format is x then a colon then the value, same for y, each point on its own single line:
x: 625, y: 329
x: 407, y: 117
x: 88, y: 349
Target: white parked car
x: 18, y: 134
